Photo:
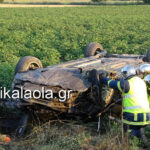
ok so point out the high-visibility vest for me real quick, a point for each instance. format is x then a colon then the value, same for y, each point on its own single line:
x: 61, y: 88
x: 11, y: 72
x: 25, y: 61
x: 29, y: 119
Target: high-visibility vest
x: 136, y: 100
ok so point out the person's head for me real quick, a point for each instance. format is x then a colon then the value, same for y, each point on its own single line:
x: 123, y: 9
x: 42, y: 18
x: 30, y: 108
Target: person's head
x: 128, y: 71
x: 144, y: 69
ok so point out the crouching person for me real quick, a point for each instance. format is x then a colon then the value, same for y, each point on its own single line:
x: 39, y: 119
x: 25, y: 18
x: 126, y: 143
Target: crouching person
x: 136, y: 110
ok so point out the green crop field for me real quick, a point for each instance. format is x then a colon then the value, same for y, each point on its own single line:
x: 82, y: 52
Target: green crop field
x: 55, y: 35
x: 48, y: 1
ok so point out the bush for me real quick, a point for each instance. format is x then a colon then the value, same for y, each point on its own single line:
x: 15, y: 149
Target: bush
x: 147, y: 1
x: 1, y: 1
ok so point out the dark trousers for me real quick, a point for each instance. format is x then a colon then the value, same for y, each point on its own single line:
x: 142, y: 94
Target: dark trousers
x: 135, y: 130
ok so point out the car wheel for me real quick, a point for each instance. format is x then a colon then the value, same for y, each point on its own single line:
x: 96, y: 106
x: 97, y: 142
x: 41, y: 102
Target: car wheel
x: 92, y: 49
x: 28, y: 63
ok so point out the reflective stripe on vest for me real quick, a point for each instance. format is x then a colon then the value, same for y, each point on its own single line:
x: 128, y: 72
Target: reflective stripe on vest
x: 136, y: 119
x: 136, y: 123
x: 129, y: 96
x: 119, y: 87
x: 133, y: 107
x: 108, y: 82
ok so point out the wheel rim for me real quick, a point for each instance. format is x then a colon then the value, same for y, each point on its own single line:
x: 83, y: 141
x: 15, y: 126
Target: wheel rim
x: 33, y: 66
x: 98, y: 50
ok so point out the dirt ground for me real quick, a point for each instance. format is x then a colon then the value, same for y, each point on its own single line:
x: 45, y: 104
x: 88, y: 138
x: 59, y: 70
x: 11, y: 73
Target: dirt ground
x: 34, y: 5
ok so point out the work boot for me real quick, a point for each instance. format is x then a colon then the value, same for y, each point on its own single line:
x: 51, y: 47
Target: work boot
x: 4, y: 139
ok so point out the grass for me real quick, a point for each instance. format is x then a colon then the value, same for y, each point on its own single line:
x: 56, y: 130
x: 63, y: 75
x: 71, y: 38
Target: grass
x: 73, y: 136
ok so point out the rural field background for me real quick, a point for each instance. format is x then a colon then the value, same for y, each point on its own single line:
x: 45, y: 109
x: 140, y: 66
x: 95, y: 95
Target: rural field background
x: 56, y: 35
x: 66, y: 1
x: 49, y: 1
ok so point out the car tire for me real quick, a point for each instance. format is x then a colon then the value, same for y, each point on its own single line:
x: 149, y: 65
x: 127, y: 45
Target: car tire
x: 92, y: 48
x: 28, y: 63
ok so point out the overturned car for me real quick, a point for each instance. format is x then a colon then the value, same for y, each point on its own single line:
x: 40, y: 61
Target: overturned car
x: 73, y: 87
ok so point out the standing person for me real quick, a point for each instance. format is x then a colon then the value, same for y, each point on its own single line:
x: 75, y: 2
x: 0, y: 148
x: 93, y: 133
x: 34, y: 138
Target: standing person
x: 144, y: 72
x: 136, y: 110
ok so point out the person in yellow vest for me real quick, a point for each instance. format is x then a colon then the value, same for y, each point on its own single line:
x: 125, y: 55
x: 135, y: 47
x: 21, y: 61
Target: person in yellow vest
x: 144, y: 72
x: 147, y: 81
x: 136, y: 110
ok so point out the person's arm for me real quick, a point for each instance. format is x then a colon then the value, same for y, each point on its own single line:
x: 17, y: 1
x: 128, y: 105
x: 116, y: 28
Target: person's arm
x: 122, y: 85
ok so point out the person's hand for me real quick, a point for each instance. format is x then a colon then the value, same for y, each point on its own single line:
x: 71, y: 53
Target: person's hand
x: 103, y: 74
